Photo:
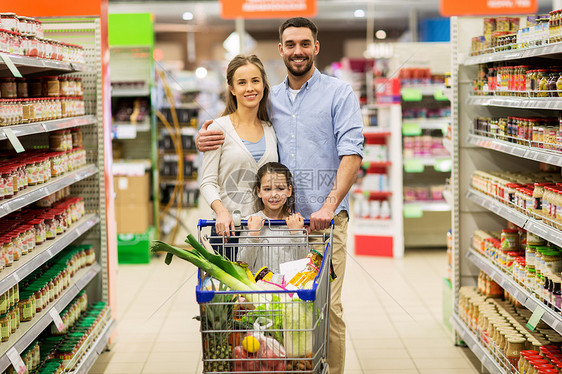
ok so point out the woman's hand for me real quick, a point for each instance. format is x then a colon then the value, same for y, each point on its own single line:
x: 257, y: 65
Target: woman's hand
x: 224, y: 224
x: 295, y: 222
x: 254, y: 225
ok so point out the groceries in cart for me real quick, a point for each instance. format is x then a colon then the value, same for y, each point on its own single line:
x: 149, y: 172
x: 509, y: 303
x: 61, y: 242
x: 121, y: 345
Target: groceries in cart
x: 261, y: 321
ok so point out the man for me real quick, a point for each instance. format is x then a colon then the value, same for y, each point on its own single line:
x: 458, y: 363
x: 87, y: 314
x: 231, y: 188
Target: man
x: 319, y: 127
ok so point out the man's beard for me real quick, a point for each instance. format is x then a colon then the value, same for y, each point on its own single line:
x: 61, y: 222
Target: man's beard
x: 302, y: 72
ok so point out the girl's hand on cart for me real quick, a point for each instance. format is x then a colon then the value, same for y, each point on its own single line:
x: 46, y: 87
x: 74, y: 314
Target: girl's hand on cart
x: 254, y: 225
x: 295, y: 222
x: 224, y: 224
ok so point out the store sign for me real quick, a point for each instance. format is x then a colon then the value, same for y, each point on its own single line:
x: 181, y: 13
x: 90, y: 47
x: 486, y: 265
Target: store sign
x: 450, y: 8
x: 267, y: 8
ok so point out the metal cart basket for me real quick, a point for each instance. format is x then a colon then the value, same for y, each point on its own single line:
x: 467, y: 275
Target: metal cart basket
x: 272, y: 331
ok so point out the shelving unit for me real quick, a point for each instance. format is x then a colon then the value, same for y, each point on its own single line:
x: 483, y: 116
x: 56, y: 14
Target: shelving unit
x: 535, y: 154
x: 530, y: 301
x: 96, y: 349
x: 550, y: 103
x: 375, y: 236
x: 427, y: 221
x: 47, y: 126
x: 132, y: 94
x: 472, y: 342
x: 44, y: 252
x: 472, y: 209
x: 29, y: 331
x: 32, y: 194
x: 87, y: 181
x: 30, y: 66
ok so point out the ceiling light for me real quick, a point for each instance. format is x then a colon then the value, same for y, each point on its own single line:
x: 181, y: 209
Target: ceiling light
x: 200, y: 72
x: 359, y: 13
x: 381, y: 34
x: 187, y: 16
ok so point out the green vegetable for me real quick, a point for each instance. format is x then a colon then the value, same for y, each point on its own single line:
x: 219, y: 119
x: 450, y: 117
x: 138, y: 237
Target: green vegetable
x: 216, y: 271
x: 230, y: 267
x: 297, y: 322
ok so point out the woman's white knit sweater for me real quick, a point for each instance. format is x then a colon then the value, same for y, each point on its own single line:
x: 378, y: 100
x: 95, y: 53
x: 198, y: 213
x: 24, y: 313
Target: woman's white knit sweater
x: 229, y: 173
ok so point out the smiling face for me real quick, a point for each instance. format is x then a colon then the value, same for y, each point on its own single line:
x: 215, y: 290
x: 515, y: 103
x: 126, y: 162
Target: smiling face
x: 298, y: 49
x: 247, y: 86
x: 273, y: 192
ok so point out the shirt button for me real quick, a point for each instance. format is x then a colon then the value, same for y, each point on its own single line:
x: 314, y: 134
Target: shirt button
x: 293, y: 155
x: 294, y: 116
x: 292, y: 135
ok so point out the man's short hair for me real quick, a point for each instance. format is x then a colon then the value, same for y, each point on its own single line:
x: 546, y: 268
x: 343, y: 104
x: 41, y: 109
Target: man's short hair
x: 298, y: 22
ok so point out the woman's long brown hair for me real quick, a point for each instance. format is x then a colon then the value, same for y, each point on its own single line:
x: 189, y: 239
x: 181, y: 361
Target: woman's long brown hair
x: 231, y: 103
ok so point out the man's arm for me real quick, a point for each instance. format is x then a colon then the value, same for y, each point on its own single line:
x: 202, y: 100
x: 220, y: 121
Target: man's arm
x: 208, y: 140
x: 345, y: 177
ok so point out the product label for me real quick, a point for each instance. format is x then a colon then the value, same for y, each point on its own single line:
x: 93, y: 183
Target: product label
x: 15, y: 359
x: 56, y: 319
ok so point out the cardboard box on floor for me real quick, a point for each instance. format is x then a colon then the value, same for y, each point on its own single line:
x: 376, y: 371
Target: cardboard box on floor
x: 133, y: 208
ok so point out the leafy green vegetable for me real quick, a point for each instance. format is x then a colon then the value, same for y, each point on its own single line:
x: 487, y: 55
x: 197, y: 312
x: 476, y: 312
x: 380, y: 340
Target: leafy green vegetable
x: 198, y: 259
x: 297, y: 322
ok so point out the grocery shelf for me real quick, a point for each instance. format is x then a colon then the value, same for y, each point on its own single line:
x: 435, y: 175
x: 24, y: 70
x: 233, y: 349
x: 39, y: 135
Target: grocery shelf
x: 44, y: 252
x: 429, y: 206
x: 533, y: 225
x: 91, y: 356
x: 552, y: 103
x: 131, y: 92
x: 376, y: 164
x: 427, y: 161
x: 448, y: 144
x: 505, y: 281
x: 472, y: 342
x: 497, y: 207
x: 29, y: 331
x: 47, y: 126
x: 429, y: 123
x: 29, y: 65
x: 374, y: 194
x: 32, y: 194
x: 128, y: 130
x: 375, y: 132
x: 536, y: 154
x: 543, y: 50
x: 424, y: 89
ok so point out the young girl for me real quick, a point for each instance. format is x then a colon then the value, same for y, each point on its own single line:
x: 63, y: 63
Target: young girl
x: 275, y: 191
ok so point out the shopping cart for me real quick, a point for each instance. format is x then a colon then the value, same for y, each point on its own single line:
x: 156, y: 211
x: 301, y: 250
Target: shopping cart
x: 273, y: 331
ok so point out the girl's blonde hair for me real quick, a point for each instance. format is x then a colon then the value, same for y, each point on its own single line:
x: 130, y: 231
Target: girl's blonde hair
x: 277, y: 168
x: 231, y: 103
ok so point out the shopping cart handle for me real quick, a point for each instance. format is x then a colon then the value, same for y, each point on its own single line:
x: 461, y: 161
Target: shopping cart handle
x: 272, y: 222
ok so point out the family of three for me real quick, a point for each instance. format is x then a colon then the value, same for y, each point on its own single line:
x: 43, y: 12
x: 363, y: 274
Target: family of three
x: 287, y: 152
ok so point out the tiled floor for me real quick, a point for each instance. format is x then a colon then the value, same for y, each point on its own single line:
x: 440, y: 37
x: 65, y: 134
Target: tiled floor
x: 392, y: 311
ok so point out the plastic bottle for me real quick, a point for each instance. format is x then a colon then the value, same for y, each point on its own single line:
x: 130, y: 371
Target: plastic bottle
x: 375, y: 209
x: 385, y: 210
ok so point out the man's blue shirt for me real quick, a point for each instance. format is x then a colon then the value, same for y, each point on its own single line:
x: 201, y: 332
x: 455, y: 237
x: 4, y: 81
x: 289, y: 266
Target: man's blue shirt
x: 314, y: 131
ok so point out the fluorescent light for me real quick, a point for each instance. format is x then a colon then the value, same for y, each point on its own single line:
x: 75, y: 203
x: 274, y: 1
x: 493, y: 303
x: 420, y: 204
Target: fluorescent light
x: 200, y: 72
x: 359, y: 13
x: 380, y: 34
x: 187, y: 16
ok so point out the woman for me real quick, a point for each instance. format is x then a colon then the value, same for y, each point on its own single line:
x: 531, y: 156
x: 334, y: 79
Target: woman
x: 228, y: 173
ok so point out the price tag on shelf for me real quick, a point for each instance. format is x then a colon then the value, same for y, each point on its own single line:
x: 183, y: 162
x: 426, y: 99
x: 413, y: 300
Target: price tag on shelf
x: 411, y: 94
x: 535, y: 318
x: 13, y: 140
x: 439, y: 95
x: 411, y: 129
x: 10, y: 64
x: 443, y: 165
x: 413, y: 211
x: 56, y: 319
x: 17, y: 362
x: 413, y: 166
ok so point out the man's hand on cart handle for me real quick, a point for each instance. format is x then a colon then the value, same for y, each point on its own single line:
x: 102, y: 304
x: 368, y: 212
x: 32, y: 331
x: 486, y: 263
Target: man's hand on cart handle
x: 321, y: 219
x: 208, y: 140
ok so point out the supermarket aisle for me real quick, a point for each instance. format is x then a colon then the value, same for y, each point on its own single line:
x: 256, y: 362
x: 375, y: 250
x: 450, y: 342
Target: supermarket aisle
x: 158, y: 335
